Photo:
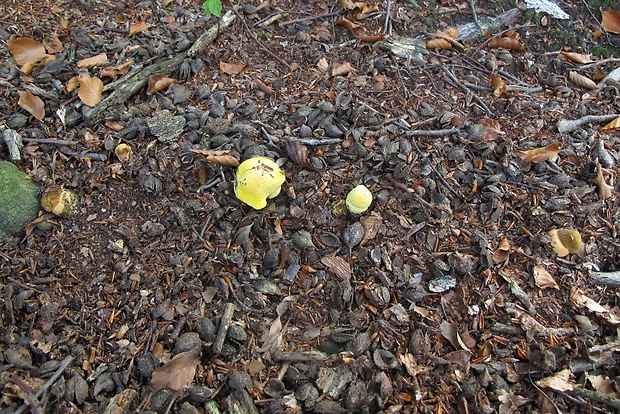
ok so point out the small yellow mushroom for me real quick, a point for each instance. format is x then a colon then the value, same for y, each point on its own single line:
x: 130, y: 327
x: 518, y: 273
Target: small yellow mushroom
x: 122, y: 151
x: 565, y: 241
x: 59, y: 201
x: 359, y: 199
x: 258, y: 178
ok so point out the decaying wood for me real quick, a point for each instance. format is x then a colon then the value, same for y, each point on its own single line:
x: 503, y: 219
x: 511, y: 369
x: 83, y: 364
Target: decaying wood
x: 135, y: 81
x: 470, y: 31
x: 13, y: 142
x: 218, y: 343
x: 606, y: 278
x: 122, y: 402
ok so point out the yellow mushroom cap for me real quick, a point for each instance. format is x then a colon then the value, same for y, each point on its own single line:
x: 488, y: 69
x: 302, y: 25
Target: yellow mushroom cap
x: 359, y: 199
x: 258, y: 178
x: 122, y: 151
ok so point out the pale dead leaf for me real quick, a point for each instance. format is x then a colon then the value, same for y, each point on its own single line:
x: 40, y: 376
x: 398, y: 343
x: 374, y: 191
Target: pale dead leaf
x: 371, y: 225
x: 139, y: 27
x: 90, y: 90
x: 25, y: 50
x: 158, y: 83
x: 503, y: 251
x: 499, y: 86
x: 72, y: 84
x: 322, y: 64
x: 342, y: 68
x: 581, y: 80
x: 576, y: 57
x: 550, y: 152
x: 52, y: 44
x: 177, y: 373
x: 93, y: 61
x: 604, y: 179
x: 32, y: 104
x: 492, y: 129
x: 232, y: 68
x: 580, y: 299
x: 611, y: 21
x: 557, y: 382
x: 227, y: 157
x: 604, y: 385
x: 614, y: 125
x: 543, y: 278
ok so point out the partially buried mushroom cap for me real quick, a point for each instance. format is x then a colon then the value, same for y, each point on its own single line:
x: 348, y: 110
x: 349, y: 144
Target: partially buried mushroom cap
x: 359, y: 199
x: 258, y: 178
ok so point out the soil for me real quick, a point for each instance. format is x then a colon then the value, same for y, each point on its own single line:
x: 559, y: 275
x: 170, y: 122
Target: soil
x: 445, y: 296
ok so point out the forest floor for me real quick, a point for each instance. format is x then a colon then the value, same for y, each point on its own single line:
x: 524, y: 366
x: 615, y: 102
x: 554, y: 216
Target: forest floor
x: 446, y: 296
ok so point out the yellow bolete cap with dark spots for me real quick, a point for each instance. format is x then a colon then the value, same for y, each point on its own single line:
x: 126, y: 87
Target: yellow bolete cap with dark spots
x: 258, y: 179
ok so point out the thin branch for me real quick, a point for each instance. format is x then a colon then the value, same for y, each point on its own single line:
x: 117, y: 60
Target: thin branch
x: 466, y: 89
x: 567, y: 125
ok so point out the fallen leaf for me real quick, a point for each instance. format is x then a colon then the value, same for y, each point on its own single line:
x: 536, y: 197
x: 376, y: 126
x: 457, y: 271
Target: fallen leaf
x: 614, y: 125
x: 438, y: 43
x: 52, y: 44
x: 461, y: 357
x: 557, y: 382
x: 25, y: 50
x: 72, y: 84
x: 550, y: 152
x: 605, y: 190
x: 226, y: 158
x: 342, y: 68
x: 177, y: 373
x: 32, y: 104
x: 492, y: 129
x: 232, y: 68
x: 93, y: 61
x: 604, y: 385
x: 499, y: 86
x: 507, y: 43
x: 611, y: 21
x: 158, y: 83
x: 503, y: 251
x: 139, y: 27
x: 90, y: 90
x: 580, y: 299
x: 576, y: 57
x: 115, y: 71
x: 371, y: 225
x: 298, y: 152
x: 322, y: 64
x: 450, y: 331
x: 543, y: 278
x: 581, y: 80
x: 565, y: 241
x: 338, y: 266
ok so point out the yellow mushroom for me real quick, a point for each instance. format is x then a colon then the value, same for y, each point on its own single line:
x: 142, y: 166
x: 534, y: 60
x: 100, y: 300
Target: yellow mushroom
x: 122, y: 151
x: 258, y: 178
x: 359, y: 199
x: 565, y: 241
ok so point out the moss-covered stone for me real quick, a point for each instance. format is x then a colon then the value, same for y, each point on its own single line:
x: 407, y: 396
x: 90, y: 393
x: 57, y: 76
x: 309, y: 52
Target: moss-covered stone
x: 19, y: 203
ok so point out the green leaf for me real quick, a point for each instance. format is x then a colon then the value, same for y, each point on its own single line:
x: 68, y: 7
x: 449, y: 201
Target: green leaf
x: 213, y: 7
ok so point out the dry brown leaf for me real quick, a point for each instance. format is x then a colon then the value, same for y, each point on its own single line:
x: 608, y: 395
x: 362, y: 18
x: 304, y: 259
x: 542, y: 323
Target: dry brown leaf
x: 604, y: 385
x: 90, y: 90
x: 550, y: 152
x: 371, y: 38
x: 115, y: 71
x: 565, y: 241
x: 139, y: 27
x: 543, y: 278
x: 158, y: 83
x: 581, y: 80
x: 450, y: 331
x: 492, y: 129
x: 450, y: 35
x: 93, y: 61
x: 605, y: 189
x: 25, y: 50
x: 232, y: 68
x: 576, y: 57
x: 503, y: 251
x: 355, y: 28
x: 298, y: 152
x: 507, y: 43
x: 499, y: 86
x: 614, y: 125
x: 342, y: 68
x: 438, y: 43
x: 580, y: 299
x: 611, y: 21
x: 322, y: 64
x: 338, y: 266
x: 72, y: 84
x: 177, y: 373
x: 52, y: 44
x: 32, y: 104
x: 371, y: 225
x: 557, y: 382
x: 227, y: 158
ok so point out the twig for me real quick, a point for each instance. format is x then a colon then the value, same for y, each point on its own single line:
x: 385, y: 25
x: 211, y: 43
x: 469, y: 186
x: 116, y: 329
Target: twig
x: 603, y: 348
x: 600, y: 62
x: 608, y: 400
x: 414, y: 4
x: 61, y: 368
x: 316, y: 141
x: 475, y: 16
x: 411, y: 191
x: 433, y: 133
x: 567, y: 125
x: 309, y: 18
x: 509, y: 88
x: 466, y: 89
x: 222, y: 331
x: 50, y: 141
x: 606, y: 278
x: 239, y: 302
x: 388, y: 10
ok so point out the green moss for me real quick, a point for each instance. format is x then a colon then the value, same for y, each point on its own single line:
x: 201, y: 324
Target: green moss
x: 602, y: 52
x: 19, y: 201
